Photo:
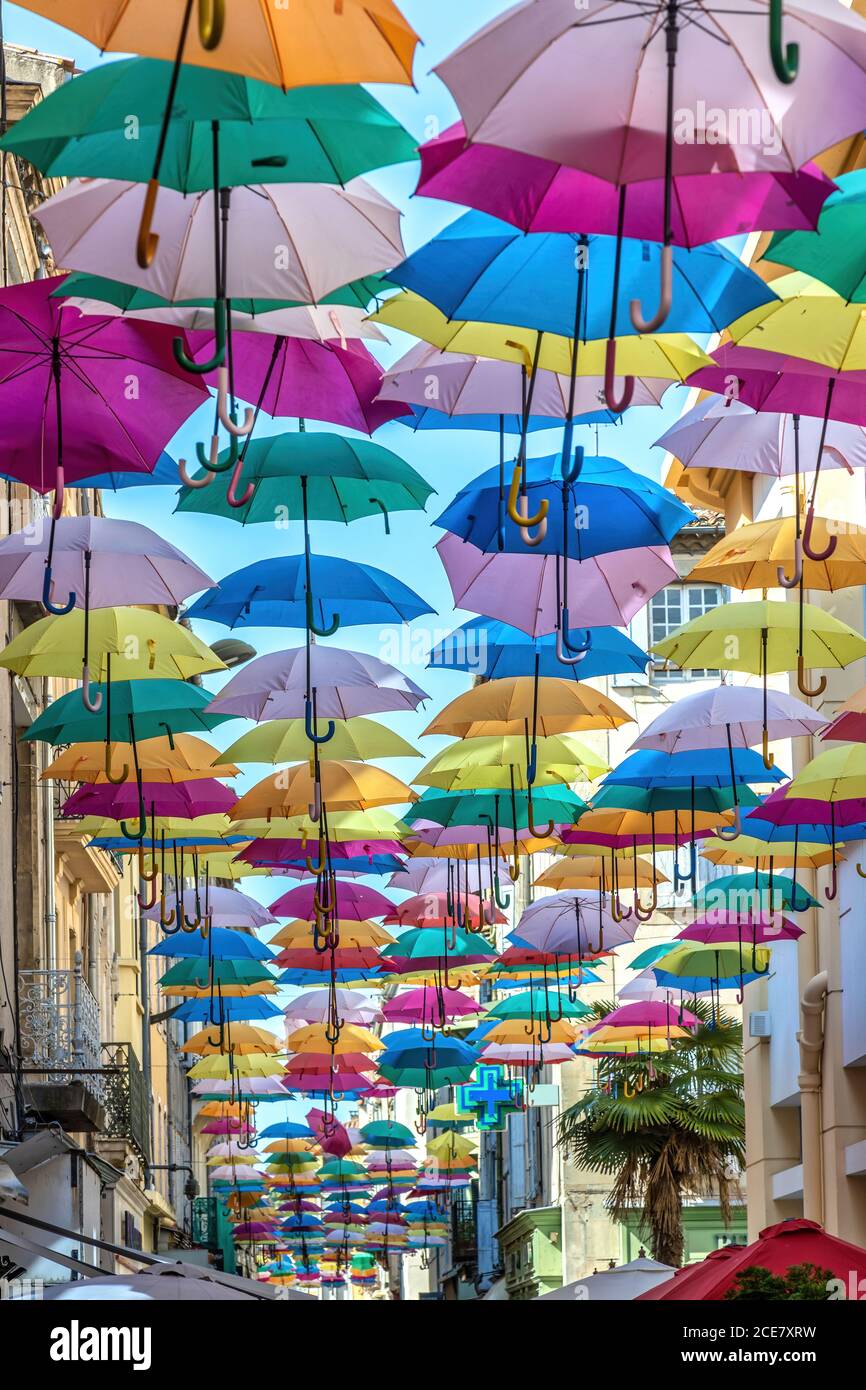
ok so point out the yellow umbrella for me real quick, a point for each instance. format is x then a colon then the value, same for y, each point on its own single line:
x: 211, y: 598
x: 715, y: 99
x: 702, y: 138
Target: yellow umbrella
x: 221, y: 1066
x: 807, y: 320
x: 514, y: 1031
x: 838, y: 774
x: 314, y: 1038
x: 286, y: 741
x: 135, y: 643
x: 375, y: 824
x: 299, y: 44
x: 228, y: 991
x: 500, y: 761
x: 344, y: 786
x: 589, y: 871
x: 610, y: 1033
x: 190, y: 759
x: 752, y: 556
x: 242, y: 1038
x: 733, y: 637
x: 451, y: 1146
x: 516, y: 705
x: 647, y: 1044
x: 664, y: 356
x: 758, y: 854
x: 300, y: 935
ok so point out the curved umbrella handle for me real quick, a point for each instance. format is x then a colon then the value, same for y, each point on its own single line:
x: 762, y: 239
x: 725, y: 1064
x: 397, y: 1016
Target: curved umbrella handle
x: 830, y: 893
x: 310, y: 728
x: 147, y: 241
x: 666, y: 294
x: 211, y: 22
x: 315, y: 806
x: 861, y: 872
x: 165, y: 921
x: 202, y: 368
x: 109, y: 776
x: 55, y: 608
x: 514, y: 866
x: 522, y: 508
x: 538, y: 834
x: 614, y: 403
x: 579, y: 649
x: 560, y: 651
x: 807, y: 540
x: 801, y: 681
x: 572, y: 471
x: 318, y: 869
x: 520, y: 518
x: 231, y: 498
x: 783, y: 579
x: 731, y: 832
x: 142, y: 872
x: 196, y: 483
x: 210, y: 461
x: 228, y: 418
x: 503, y: 900
x: 769, y: 758
x: 786, y: 57
x: 311, y: 622
x: 93, y: 703
x: 150, y: 897
x: 138, y: 834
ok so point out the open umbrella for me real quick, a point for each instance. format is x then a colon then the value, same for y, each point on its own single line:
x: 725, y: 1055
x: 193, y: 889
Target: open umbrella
x: 155, y: 706
x: 484, y: 646
x: 347, y: 684
x: 834, y: 256
x: 758, y: 441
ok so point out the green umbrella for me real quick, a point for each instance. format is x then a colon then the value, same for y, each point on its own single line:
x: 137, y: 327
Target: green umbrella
x: 436, y: 943
x: 387, y: 1134
x: 835, y: 253
x: 107, y: 123
x: 155, y: 707
x: 318, y: 476
x: 358, y: 294
x: 755, y: 893
x: 538, y: 1003
x: 556, y: 803
x: 285, y: 741
x: 196, y: 971
x: 652, y: 799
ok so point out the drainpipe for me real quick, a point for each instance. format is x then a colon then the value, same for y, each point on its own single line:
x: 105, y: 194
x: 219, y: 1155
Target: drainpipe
x: 50, y: 874
x: 811, y: 1041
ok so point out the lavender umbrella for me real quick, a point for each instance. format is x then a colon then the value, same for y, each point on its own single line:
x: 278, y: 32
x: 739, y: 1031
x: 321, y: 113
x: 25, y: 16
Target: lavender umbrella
x: 227, y: 907
x: 315, y: 1007
x: 564, y: 923
x: 758, y: 442
x: 607, y: 590
x: 541, y: 195
x: 347, y: 684
x: 435, y: 876
x: 185, y: 800
x: 81, y: 396
x: 737, y: 714
x: 100, y: 561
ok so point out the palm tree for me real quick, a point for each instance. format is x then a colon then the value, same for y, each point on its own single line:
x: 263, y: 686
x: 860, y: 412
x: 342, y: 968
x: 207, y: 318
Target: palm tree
x: 667, y: 1126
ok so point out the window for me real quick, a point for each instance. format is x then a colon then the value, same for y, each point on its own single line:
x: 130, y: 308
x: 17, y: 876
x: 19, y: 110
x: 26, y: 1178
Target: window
x: 672, y: 608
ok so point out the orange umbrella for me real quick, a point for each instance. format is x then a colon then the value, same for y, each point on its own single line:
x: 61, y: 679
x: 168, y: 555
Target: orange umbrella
x: 188, y: 760
x: 345, y: 786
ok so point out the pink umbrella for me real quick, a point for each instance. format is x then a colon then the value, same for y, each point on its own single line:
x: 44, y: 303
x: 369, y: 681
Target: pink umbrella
x: 565, y: 923
x: 80, y: 395
x: 230, y: 1125
x: 432, y: 833
x: 540, y: 195
x: 185, y: 800
x: 347, y: 684
x: 607, y: 590
x: 317, y: 1005
x: 437, y: 910
x: 325, y: 1082
x: 643, y: 114
x: 524, y: 1055
x: 758, y: 442
x: 429, y: 1006
x: 771, y: 381
x: 353, y: 902
x: 724, y: 926
x: 650, y: 1015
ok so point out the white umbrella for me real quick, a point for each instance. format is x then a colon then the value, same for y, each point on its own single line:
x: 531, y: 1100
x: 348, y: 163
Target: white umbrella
x: 617, y: 1285
x: 758, y: 441
x: 175, y: 1283
x: 315, y: 323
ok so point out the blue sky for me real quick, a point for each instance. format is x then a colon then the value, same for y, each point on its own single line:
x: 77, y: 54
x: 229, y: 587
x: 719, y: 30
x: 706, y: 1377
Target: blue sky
x: 448, y: 459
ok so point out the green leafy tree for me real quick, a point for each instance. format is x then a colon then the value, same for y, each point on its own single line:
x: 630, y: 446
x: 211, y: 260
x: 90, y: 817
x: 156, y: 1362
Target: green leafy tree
x: 800, y: 1284
x: 667, y: 1127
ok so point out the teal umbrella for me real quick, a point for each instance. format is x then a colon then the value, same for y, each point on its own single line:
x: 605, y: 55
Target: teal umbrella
x: 387, y: 1134
x: 834, y: 253
x: 538, y: 1003
x: 557, y: 804
x: 754, y: 892
x: 154, y: 707
x: 358, y: 294
x: 108, y: 123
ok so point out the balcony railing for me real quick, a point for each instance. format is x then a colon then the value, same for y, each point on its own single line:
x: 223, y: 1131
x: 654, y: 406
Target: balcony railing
x: 60, y: 1027
x: 124, y: 1097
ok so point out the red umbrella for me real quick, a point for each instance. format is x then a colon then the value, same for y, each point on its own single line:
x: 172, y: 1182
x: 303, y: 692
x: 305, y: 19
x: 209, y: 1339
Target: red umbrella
x: 778, y: 1248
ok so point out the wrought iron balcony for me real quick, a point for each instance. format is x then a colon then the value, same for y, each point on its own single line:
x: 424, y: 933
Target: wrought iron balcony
x: 60, y: 1047
x: 124, y: 1097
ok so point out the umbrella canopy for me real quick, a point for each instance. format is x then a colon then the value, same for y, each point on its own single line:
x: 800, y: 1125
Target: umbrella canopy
x: 497, y: 650
x: 325, y: 134
x: 144, y: 645
x: 328, y: 235
x: 344, y: 786
x: 227, y: 907
x: 758, y: 442
x: 273, y: 593
x: 544, y: 195
x: 752, y: 555
x: 154, y: 707
x: 834, y: 256
x: 370, y: 42
x: 181, y: 759
x: 285, y: 740
x: 499, y: 761
x: 202, y: 797
x: 347, y: 684
x: 566, y: 923
x: 621, y: 1284
x: 353, y: 902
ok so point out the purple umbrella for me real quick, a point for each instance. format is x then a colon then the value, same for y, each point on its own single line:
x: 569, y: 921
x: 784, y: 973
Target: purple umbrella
x: 100, y: 562
x: 435, y: 876
x: 273, y: 853
x: 226, y: 908
x: 432, y: 834
x: 352, y: 902
x: 770, y: 381
x: 723, y: 926
x: 347, y: 684
x: 81, y: 395
x: 741, y: 715
x: 186, y: 800
x: 564, y: 923
x: 607, y: 590
x: 540, y: 195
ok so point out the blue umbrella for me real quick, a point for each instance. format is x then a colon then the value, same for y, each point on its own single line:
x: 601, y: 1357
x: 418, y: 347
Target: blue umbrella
x: 806, y: 834
x: 358, y: 864
x: 427, y: 418
x: 163, y: 475
x: 287, y: 1129
x: 482, y: 269
x: 274, y: 593
x: 230, y: 1010
x: 703, y: 767
x: 605, y: 507
x: 485, y: 647
x: 220, y: 943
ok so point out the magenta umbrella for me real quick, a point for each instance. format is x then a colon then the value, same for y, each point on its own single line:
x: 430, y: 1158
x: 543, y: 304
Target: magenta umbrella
x: 274, y: 853
x: 429, y: 1005
x: 352, y: 902
x: 541, y: 195
x: 785, y: 385
x: 100, y: 562
x: 607, y: 590
x: 780, y: 809
x: 186, y: 800
x: 432, y: 834
x: 347, y: 683
x: 763, y: 930
x: 646, y: 1013
x: 82, y: 395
